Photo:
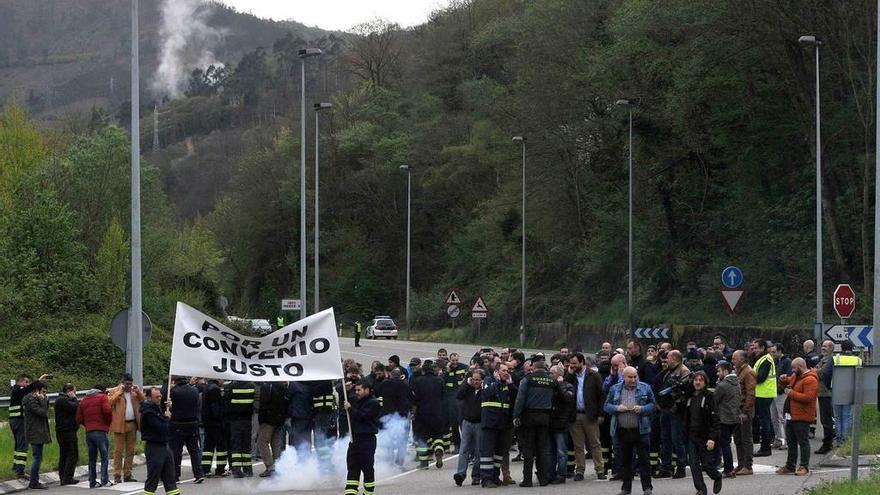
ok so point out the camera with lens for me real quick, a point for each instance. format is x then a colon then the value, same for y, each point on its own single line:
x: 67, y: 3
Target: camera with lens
x: 675, y: 392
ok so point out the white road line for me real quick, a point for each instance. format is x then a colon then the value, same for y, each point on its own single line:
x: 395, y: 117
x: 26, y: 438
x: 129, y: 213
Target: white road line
x: 411, y: 471
x: 141, y: 491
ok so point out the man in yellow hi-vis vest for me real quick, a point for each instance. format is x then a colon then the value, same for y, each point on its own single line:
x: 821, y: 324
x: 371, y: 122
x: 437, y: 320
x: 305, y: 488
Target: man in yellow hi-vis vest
x: 765, y: 394
x: 358, y: 328
x: 843, y: 413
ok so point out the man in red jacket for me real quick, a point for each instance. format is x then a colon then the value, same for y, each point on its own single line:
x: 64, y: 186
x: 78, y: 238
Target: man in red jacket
x: 802, y: 389
x: 94, y: 414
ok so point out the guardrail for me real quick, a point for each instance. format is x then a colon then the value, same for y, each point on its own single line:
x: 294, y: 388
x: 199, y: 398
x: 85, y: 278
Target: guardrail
x: 4, y: 401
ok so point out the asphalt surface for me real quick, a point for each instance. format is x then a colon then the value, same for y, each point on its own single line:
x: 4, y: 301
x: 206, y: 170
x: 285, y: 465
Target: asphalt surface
x: 304, y: 477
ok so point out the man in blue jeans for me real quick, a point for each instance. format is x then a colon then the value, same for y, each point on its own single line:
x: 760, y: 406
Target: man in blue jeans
x: 674, y: 390
x: 36, y: 424
x: 630, y: 404
x: 469, y: 394
x: 95, y: 414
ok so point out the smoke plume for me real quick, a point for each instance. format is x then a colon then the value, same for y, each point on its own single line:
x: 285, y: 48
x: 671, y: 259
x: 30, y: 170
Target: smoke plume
x: 187, y: 43
x: 301, y: 469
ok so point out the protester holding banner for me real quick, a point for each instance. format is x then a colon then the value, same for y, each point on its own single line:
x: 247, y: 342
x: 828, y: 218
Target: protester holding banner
x: 155, y: 433
x: 238, y: 411
x: 216, y: 444
x: 364, y: 412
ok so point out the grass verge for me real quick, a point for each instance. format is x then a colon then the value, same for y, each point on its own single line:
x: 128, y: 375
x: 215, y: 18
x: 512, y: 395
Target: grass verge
x: 870, y: 486
x: 869, y: 440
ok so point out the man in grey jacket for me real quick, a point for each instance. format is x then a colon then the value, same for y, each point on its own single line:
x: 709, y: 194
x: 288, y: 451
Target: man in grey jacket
x: 727, y: 402
x: 36, y: 423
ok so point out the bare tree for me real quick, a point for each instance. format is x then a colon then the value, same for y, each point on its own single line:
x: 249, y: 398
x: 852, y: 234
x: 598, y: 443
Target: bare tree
x: 373, y: 51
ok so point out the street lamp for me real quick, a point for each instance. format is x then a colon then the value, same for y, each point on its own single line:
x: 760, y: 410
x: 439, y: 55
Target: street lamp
x: 134, y: 346
x: 408, y: 169
x: 318, y: 107
x: 522, y: 330
x: 626, y: 103
x: 819, y: 330
x: 303, y: 55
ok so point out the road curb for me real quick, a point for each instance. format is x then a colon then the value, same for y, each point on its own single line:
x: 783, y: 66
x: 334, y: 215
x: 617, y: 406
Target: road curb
x: 52, y: 479
x: 865, y: 460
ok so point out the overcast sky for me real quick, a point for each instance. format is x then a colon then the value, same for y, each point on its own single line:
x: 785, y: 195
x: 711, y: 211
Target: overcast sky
x: 340, y: 14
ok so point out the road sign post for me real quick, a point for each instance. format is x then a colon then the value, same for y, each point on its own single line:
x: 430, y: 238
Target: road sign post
x: 732, y: 277
x: 732, y: 291
x: 844, y: 301
x: 291, y: 305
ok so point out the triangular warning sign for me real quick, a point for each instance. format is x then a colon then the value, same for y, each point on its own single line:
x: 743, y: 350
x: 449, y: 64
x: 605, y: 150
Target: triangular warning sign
x: 453, y: 298
x: 731, y: 298
x: 479, y: 306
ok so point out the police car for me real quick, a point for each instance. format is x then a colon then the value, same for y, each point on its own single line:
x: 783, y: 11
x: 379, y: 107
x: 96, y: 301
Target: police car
x: 382, y: 326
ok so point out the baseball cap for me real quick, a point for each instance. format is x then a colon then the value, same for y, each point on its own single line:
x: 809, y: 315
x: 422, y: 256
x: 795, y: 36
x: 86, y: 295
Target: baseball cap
x: 415, y: 361
x: 723, y: 362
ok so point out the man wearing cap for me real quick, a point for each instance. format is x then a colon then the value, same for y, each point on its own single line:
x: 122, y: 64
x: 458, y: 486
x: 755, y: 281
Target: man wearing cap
x: 727, y: 406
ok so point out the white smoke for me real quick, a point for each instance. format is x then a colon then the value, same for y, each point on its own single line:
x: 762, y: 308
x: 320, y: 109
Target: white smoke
x: 187, y: 43
x: 294, y: 472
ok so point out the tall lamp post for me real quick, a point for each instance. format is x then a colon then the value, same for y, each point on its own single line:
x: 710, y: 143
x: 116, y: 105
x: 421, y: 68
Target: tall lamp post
x: 303, y: 55
x: 134, y: 355
x: 626, y: 104
x: 408, y: 169
x: 522, y: 329
x: 819, y: 330
x: 875, y: 353
x: 318, y: 108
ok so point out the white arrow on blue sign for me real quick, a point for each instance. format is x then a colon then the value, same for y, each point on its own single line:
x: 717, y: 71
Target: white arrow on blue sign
x: 862, y: 336
x: 732, y: 277
x: 651, y: 333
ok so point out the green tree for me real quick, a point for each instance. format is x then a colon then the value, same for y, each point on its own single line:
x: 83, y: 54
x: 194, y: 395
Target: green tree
x: 111, y: 269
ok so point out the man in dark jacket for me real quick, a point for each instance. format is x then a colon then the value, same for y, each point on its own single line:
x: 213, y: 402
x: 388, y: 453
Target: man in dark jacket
x: 324, y: 409
x: 238, y: 411
x: 155, y: 434
x: 216, y: 448
x: 531, y: 414
x: 703, y: 432
x: 22, y: 387
x: 469, y: 395
x: 395, y: 397
x: 184, y: 427
x: 588, y: 411
x: 299, y: 410
x: 498, y: 395
x: 36, y: 426
x: 430, y: 420
x: 561, y: 419
x: 65, y: 430
x: 271, y: 416
x: 364, y: 413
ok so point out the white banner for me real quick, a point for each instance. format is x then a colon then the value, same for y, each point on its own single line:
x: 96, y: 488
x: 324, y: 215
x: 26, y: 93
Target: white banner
x: 305, y: 350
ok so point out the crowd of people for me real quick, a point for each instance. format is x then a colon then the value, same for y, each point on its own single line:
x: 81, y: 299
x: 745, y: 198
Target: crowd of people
x: 648, y: 410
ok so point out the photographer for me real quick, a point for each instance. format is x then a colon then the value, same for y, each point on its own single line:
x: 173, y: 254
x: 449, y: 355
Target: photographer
x: 469, y: 394
x: 675, y: 387
x: 36, y: 426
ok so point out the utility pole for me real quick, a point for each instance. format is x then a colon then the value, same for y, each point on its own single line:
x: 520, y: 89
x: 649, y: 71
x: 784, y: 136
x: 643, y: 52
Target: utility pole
x: 134, y: 355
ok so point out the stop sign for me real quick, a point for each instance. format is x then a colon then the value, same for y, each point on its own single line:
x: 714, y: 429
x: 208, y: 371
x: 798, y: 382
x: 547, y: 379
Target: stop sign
x: 844, y: 301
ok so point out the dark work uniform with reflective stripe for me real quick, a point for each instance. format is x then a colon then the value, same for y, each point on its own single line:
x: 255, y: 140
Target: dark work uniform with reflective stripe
x: 16, y: 424
x: 238, y: 413
x: 453, y: 379
x: 534, y: 403
x: 215, y: 438
x: 494, y: 417
x: 362, y: 449
x: 324, y: 409
x: 430, y: 420
x: 160, y: 461
x: 185, y: 402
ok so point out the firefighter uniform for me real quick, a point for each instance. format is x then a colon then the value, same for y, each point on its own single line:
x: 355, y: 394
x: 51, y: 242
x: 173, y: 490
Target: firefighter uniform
x: 185, y: 426
x: 362, y: 449
x: 238, y: 414
x: 160, y: 461
x: 430, y: 423
x: 494, y: 417
x: 534, y: 403
x: 16, y: 424
x: 453, y: 378
x: 215, y: 450
x: 324, y: 410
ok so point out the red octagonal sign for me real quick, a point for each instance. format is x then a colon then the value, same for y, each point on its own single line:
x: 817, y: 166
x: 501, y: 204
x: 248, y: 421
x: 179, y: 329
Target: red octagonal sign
x: 844, y: 301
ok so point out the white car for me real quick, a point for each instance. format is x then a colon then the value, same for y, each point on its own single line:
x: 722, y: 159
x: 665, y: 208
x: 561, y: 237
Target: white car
x: 261, y: 326
x: 382, y: 326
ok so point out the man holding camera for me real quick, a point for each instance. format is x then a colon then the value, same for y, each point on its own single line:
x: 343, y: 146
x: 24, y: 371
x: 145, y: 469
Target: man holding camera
x: 674, y: 389
x: 36, y: 425
x: 125, y: 401
x: 22, y: 387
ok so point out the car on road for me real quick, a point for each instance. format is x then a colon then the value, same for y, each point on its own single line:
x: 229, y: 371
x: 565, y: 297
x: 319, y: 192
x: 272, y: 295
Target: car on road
x: 382, y: 326
x: 262, y: 327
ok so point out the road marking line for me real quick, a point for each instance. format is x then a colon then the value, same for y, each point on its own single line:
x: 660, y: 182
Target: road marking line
x: 411, y: 471
x: 141, y: 491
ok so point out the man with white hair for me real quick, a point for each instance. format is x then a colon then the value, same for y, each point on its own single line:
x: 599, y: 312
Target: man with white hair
x: 630, y: 404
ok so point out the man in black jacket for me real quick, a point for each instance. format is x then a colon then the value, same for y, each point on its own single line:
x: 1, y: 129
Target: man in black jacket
x: 395, y: 397
x: 364, y: 413
x: 531, y: 414
x: 589, y: 399
x: 216, y: 448
x: 430, y: 421
x: 22, y: 387
x: 299, y: 410
x: 703, y: 432
x: 184, y: 426
x: 65, y: 430
x: 238, y: 411
x: 271, y: 416
x: 469, y: 395
x: 561, y: 419
x: 155, y: 434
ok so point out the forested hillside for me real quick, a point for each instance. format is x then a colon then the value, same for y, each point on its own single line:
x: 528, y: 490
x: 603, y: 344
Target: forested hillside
x: 723, y: 151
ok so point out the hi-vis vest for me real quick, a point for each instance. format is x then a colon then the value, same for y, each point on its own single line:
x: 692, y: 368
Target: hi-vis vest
x: 844, y: 360
x: 767, y: 388
x: 279, y: 321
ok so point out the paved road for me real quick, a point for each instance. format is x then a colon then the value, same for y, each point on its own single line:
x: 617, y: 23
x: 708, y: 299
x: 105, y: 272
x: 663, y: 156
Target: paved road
x: 304, y: 477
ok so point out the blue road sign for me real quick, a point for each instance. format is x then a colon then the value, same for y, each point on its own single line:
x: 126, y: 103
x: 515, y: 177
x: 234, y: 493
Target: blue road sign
x: 651, y: 333
x: 862, y: 336
x: 732, y: 277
